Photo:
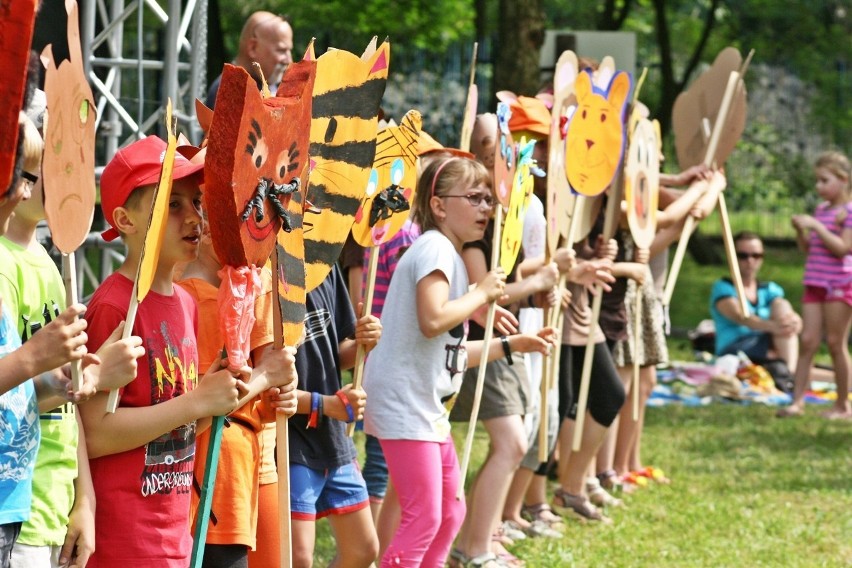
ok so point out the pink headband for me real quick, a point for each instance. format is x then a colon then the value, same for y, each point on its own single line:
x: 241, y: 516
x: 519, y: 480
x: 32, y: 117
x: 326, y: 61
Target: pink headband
x: 438, y: 172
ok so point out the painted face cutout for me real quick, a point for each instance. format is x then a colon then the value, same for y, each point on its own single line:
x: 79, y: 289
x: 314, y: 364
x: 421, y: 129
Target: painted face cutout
x: 257, y: 162
x: 696, y: 109
x: 595, y: 140
x: 522, y: 190
x: 560, y: 200
x: 390, y: 189
x: 69, y: 150
x: 17, y: 18
x: 642, y: 179
x: 346, y: 99
x: 504, y: 156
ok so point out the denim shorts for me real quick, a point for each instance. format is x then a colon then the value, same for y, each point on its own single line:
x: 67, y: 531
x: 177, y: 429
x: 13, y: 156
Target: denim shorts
x: 317, y: 493
x: 756, y: 346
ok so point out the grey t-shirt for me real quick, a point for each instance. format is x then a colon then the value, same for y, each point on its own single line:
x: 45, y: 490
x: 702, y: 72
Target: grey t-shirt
x: 406, y: 377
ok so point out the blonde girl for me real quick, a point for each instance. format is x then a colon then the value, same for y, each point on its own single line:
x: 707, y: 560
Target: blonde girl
x: 826, y: 237
x: 414, y: 372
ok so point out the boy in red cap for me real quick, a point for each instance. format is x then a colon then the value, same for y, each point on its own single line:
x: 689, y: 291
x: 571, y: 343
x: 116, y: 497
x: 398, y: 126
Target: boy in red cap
x: 142, y: 456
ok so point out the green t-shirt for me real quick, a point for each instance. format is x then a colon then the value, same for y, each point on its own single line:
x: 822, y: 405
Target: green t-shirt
x: 33, y: 289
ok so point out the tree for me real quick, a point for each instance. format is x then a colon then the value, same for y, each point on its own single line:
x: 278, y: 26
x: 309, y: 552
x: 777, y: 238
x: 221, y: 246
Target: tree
x: 520, y: 34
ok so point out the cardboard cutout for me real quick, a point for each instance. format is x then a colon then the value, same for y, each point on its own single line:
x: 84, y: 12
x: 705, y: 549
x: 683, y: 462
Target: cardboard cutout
x: 642, y: 179
x: 69, y: 149
x: 347, y: 93
x: 257, y: 160
x: 696, y: 111
x: 595, y: 139
x: 504, y: 156
x: 522, y: 190
x: 391, y: 187
x: 560, y: 200
x: 17, y: 19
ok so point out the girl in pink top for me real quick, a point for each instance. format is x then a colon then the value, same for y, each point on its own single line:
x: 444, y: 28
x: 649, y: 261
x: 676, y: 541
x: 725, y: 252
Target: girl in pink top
x: 827, y: 302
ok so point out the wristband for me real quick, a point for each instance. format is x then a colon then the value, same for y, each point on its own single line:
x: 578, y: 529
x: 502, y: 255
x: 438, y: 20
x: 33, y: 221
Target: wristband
x: 313, y: 418
x: 506, y: 349
x: 320, y: 408
x: 350, y: 413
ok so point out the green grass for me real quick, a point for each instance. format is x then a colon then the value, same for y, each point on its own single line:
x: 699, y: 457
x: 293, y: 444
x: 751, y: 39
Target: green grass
x: 748, y: 490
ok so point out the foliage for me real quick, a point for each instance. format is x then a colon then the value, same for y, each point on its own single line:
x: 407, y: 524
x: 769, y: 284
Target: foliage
x: 349, y: 24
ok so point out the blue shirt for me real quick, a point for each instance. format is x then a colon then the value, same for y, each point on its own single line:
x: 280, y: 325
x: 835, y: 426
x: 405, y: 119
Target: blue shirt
x: 727, y: 331
x: 19, y: 437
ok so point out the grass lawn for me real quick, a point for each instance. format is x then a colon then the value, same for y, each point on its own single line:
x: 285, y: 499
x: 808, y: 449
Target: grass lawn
x: 748, y: 489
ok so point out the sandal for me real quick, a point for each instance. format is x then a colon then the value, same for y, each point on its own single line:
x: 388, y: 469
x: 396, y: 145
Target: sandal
x: 513, y: 531
x: 485, y: 560
x: 655, y: 474
x: 610, y: 481
x: 600, y: 496
x: 579, y: 506
x: 543, y: 513
x: 501, y: 537
x: 540, y: 529
x: 790, y: 411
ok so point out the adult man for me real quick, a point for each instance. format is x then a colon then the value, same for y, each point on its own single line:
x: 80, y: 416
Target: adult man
x: 770, y: 329
x: 266, y: 39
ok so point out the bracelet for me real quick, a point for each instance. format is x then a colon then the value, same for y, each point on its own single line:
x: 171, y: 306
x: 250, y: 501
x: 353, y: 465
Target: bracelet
x: 506, y: 349
x: 313, y: 418
x: 320, y: 408
x: 350, y: 413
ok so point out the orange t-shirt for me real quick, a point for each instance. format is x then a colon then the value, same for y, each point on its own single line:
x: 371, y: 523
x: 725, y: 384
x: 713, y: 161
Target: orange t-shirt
x: 233, y: 515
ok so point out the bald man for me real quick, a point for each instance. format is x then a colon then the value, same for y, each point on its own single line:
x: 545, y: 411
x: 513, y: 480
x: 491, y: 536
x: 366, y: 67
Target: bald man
x: 268, y: 40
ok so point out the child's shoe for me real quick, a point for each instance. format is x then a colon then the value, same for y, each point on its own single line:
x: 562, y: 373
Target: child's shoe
x: 600, y: 496
x: 578, y: 506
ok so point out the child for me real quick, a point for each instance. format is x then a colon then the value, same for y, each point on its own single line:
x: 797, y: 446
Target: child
x: 142, y: 455
x: 414, y: 372
x: 233, y: 520
x: 827, y: 302
x: 32, y: 287
x: 324, y: 476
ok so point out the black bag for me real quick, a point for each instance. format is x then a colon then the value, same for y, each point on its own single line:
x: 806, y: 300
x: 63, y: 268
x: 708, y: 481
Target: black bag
x: 784, y: 380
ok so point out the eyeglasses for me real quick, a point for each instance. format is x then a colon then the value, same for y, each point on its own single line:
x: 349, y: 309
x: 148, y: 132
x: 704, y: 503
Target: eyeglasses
x: 748, y: 255
x: 477, y: 199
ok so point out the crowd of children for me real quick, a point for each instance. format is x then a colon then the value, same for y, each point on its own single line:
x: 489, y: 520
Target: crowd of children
x: 81, y: 486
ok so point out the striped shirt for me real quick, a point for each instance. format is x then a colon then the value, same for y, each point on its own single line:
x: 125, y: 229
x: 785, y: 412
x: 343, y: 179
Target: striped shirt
x: 822, y: 268
x: 389, y: 255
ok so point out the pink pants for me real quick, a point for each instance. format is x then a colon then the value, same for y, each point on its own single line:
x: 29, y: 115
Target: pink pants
x: 426, y: 477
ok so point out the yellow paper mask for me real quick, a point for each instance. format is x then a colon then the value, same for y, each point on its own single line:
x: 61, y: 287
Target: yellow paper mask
x: 519, y: 200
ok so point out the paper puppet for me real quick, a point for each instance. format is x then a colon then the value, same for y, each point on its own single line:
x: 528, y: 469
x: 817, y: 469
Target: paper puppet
x: 696, y: 109
x: 17, y: 19
x: 390, y: 189
x: 595, y: 139
x: 346, y: 98
x: 69, y: 156
x: 504, y: 155
x: 257, y: 167
x: 560, y: 200
x: 642, y: 178
x: 519, y: 200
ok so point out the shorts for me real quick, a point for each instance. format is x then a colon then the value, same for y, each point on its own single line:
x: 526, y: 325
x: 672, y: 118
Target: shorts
x: 9, y: 533
x: 318, y: 493
x: 505, y: 391
x: 755, y: 346
x: 820, y: 295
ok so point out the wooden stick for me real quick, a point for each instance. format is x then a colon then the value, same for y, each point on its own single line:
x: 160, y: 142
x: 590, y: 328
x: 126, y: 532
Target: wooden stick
x: 612, y: 210
x: 733, y: 265
x: 69, y: 277
x: 483, y: 359
x: 112, y: 401
x: 469, y: 107
x: 637, y: 323
x: 207, y: 486
x: 677, y: 259
x: 282, y: 434
x: 361, y: 353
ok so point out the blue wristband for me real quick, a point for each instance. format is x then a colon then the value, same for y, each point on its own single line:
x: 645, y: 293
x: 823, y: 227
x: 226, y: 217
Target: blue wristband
x: 350, y: 413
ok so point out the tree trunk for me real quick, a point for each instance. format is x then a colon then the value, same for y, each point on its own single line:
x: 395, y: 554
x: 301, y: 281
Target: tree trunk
x: 520, y: 35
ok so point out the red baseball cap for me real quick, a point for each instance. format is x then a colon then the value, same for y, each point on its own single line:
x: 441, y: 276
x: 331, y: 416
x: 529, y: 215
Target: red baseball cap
x: 134, y: 166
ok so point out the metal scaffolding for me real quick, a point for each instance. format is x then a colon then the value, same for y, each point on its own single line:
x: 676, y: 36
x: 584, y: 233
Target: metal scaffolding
x: 138, y: 54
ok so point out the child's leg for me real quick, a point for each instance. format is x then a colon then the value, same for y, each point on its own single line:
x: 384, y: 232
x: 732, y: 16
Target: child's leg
x: 808, y: 345
x: 304, y: 540
x: 355, y: 534
x: 268, y: 552
x: 508, y: 446
x: 375, y: 474
x: 388, y: 520
x: 426, y: 487
x: 647, y: 380
x: 837, y: 317
x: 786, y: 346
x: 515, y: 496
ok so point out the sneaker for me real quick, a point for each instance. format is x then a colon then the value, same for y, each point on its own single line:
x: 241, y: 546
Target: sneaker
x: 579, y: 506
